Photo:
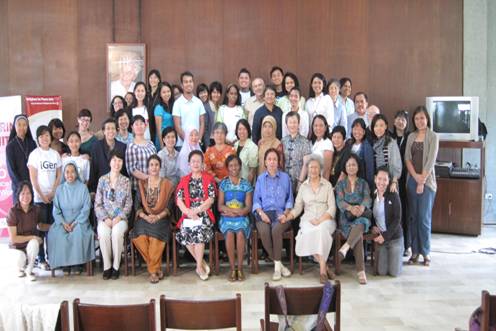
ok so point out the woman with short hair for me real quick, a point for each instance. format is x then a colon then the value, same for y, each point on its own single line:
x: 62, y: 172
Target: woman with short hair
x: 272, y: 202
x: 234, y: 204
x: 317, y: 224
x: 57, y: 130
x: 195, y: 196
x: 353, y: 201
x: 247, y: 151
x: 87, y: 136
x: 113, y: 204
x: 215, y: 156
x: 231, y: 112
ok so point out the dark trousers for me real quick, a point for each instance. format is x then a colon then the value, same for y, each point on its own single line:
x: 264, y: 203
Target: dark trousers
x: 46, y: 216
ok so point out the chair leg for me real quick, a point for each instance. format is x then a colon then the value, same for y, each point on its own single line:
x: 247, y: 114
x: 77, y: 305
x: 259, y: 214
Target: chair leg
x: 133, y: 267
x: 167, y: 259
x: 216, y: 255
x: 291, y: 253
x: 300, y: 267
x: 53, y: 272
x: 254, y: 257
x: 174, y: 257
x: 337, y: 261
x: 126, y: 262
x: 211, y: 254
x: 88, y: 268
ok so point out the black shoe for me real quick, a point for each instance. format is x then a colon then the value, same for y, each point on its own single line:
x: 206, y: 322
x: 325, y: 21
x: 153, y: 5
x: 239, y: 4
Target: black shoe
x: 115, y: 274
x: 107, y: 274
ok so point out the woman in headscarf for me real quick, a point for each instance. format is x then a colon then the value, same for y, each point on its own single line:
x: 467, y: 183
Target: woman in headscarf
x: 268, y: 141
x: 20, y: 145
x: 70, y: 239
x: 192, y: 143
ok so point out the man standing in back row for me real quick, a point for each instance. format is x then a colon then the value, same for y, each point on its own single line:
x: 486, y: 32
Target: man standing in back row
x: 188, y: 111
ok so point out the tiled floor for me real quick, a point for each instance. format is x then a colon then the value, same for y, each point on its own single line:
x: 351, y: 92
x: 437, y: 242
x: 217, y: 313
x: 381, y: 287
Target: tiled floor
x: 437, y: 298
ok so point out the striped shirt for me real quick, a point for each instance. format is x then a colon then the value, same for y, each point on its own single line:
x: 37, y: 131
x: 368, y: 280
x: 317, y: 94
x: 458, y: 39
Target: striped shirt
x: 136, y: 158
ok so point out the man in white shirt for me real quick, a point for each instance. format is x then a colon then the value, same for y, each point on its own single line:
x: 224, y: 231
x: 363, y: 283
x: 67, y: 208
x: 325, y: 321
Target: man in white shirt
x: 256, y: 101
x: 188, y: 111
x: 244, y: 80
x: 361, y: 103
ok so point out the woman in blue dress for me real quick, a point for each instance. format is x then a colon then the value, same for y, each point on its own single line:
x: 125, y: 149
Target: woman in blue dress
x: 162, y: 112
x: 354, y: 202
x: 70, y: 239
x: 235, y: 202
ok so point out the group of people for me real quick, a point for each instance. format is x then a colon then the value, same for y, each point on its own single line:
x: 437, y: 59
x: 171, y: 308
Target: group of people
x: 260, y: 157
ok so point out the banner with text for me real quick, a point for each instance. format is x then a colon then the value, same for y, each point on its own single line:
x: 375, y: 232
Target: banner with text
x: 9, y: 107
x: 41, y: 109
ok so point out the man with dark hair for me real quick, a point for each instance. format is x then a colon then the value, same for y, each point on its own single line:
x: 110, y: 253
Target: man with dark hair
x: 188, y: 111
x: 100, y: 153
x: 276, y: 77
x: 244, y: 80
x: 361, y: 103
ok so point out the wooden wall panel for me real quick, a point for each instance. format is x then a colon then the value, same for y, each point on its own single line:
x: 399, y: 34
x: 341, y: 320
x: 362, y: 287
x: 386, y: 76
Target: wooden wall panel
x: 398, y: 51
x: 4, y: 50
x: 95, y: 31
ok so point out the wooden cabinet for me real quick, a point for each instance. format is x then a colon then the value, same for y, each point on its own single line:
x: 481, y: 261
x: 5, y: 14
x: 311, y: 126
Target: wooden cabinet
x: 458, y: 204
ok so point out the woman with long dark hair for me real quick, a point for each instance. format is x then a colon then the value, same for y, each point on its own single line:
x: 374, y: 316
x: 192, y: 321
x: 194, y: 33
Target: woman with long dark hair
x: 140, y: 107
x: 152, y: 88
x: 57, y: 130
x: 163, y: 112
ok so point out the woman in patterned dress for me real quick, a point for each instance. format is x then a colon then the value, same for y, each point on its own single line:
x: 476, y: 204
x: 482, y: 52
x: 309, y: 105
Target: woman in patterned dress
x: 195, y: 196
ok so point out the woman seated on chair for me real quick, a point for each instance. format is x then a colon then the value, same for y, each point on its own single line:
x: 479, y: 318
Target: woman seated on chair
x: 387, y: 226
x: 353, y: 200
x: 316, y: 198
x: 151, y: 229
x: 272, y: 202
x: 113, y: 203
x: 70, y: 240
x: 195, y: 196
x: 235, y: 202
x: 23, y: 222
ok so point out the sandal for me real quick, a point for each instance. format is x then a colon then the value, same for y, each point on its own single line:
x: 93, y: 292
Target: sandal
x: 160, y: 275
x: 206, y: 267
x: 232, y: 276
x: 427, y: 260
x: 240, y: 275
x: 362, y: 278
x: 323, y: 278
x: 330, y: 273
x: 413, y: 259
x: 153, y: 278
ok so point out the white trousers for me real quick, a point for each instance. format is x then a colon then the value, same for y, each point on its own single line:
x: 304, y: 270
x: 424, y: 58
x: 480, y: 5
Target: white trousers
x: 111, y: 243
x: 25, y: 261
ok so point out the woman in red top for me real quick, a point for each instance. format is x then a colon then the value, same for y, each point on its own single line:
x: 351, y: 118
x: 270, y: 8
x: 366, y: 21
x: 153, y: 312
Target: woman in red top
x: 215, y: 156
x: 195, y: 196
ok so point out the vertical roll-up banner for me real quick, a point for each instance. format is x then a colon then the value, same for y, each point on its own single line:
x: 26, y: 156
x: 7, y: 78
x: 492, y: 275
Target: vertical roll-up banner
x: 9, y: 107
x: 41, y: 109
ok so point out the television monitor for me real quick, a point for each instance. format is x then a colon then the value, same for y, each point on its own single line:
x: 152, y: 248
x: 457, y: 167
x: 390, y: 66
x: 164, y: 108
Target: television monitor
x: 454, y: 118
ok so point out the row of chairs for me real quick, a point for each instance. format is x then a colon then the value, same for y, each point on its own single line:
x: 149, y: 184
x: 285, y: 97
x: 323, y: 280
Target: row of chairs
x: 196, y: 315
x: 252, y: 261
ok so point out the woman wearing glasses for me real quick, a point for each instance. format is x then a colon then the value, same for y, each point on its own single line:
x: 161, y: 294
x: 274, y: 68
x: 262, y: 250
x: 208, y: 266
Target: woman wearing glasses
x: 113, y: 203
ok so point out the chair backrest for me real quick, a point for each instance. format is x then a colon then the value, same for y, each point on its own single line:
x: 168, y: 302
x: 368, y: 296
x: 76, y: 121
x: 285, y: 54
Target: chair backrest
x: 301, y: 301
x: 488, y: 311
x: 63, y: 318
x: 196, y: 315
x: 114, y: 317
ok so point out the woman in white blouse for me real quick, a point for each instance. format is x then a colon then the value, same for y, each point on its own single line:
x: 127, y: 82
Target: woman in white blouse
x: 321, y: 144
x: 319, y: 103
x: 316, y: 198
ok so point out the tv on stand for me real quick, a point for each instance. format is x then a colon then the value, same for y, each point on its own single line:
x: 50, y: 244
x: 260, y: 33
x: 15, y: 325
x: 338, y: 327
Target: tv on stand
x: 454, y: 118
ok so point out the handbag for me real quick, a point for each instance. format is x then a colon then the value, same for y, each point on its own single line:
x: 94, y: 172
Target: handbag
x: 305, y: 322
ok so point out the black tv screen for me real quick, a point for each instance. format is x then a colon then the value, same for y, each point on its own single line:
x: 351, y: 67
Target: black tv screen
x: 451, y: 116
